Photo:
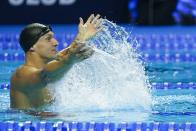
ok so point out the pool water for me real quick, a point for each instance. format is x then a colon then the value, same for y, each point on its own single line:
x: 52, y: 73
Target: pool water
x: 176, y: 105
x: 170, y: 61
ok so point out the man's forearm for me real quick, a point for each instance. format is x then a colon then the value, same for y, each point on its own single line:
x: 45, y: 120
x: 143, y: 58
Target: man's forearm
x: 56, y: 68
x: 65, y: 59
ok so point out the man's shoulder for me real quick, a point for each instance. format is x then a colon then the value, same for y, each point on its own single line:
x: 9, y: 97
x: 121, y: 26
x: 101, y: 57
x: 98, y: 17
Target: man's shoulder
x: 24, y: 70
x: 23, y: 75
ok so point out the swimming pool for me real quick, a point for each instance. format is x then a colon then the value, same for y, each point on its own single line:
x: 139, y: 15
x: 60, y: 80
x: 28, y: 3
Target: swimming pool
x: 172, y: 71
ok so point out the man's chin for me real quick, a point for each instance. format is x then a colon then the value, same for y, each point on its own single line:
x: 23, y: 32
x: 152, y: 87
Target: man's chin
x: 51, y: 58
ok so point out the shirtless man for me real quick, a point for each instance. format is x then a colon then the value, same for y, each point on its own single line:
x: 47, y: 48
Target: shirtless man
x: 43, y: 64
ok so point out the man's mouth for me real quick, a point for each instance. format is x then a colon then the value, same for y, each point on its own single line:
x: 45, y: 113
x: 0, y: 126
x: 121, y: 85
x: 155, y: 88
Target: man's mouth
x: 54, y: 50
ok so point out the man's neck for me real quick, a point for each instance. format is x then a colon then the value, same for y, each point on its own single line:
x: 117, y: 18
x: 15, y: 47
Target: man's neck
x: 33, y: 59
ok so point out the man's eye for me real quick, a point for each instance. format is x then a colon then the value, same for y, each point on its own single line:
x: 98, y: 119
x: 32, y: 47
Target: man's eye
x: 48, y: 38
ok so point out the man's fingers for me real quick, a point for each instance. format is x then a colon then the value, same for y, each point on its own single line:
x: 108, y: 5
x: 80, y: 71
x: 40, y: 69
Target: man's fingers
x: 84, y: 49
x: 88, y: 53
x: 81, y: 21
x: 99, y: 29
x: 85, y: 54
x: 96, y: 19
x: 80, y: 46
x: 90, y: 19
x: 97, y: 24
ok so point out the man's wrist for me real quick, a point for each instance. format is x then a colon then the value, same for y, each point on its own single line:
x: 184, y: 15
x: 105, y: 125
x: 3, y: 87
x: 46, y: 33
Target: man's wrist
x: 63, y: 55
x: 80, y: 38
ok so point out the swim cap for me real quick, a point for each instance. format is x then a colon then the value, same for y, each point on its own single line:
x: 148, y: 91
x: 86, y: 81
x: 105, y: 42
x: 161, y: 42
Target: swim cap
x: 31, y: 34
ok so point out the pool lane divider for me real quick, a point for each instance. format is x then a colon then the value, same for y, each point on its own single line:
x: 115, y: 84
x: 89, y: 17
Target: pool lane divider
x: 94, y: 126
x: 156, y: 57
x: 164, y: 85
x: 5, y: 46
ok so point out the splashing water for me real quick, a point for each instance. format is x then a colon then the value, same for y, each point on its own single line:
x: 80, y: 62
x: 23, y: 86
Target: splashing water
x: 112, y: 79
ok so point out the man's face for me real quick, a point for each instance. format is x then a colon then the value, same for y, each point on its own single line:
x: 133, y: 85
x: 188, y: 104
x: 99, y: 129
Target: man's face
x: 46, y: 46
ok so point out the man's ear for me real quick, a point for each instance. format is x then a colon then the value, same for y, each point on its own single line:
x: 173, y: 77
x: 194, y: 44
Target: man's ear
x: 32, y: 49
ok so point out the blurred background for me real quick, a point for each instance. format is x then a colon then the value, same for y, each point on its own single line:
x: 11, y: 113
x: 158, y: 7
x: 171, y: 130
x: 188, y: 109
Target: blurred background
x: 138, y: 12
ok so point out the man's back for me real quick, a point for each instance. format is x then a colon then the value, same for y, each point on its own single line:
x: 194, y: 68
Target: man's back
x: 22, y: 94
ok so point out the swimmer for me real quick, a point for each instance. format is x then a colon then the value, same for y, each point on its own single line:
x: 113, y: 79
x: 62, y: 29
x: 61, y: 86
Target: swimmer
x: 43, y: 64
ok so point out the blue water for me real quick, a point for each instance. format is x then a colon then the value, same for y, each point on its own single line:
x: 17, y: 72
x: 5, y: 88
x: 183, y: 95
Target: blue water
x: 168, y: 105
x: 173, y: 105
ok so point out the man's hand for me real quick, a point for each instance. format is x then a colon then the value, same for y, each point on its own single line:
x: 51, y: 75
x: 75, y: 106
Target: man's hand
x: 76, y: 52
x: 79, y: 50
x: 88, y: 29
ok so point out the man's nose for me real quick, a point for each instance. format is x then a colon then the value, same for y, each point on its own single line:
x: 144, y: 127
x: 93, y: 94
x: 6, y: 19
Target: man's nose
x: 55, y: 42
